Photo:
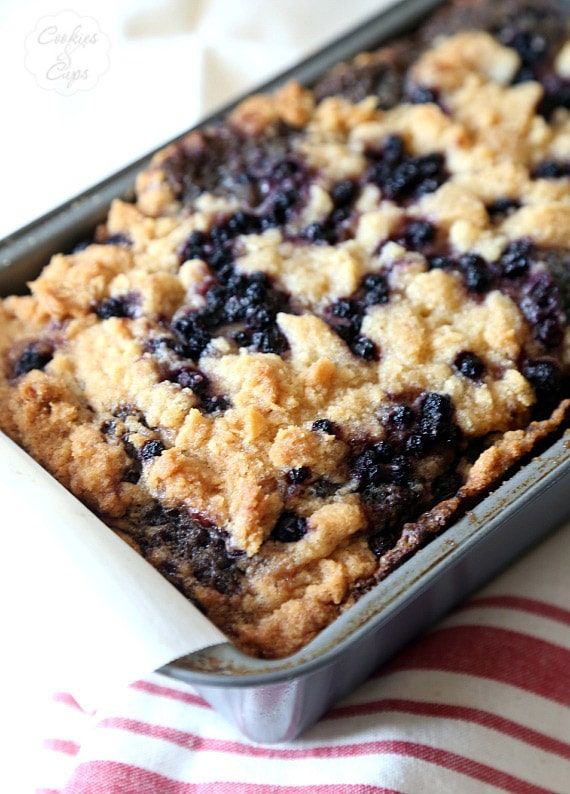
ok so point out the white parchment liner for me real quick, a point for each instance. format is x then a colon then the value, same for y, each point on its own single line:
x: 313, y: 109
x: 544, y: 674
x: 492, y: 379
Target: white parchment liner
x: 111, y: 617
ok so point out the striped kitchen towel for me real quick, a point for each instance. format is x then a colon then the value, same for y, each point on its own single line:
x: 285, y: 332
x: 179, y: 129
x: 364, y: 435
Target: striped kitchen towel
x: 480, y: 703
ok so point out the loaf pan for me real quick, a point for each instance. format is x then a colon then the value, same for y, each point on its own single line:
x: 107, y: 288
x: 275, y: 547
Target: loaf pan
x: 274, y: 701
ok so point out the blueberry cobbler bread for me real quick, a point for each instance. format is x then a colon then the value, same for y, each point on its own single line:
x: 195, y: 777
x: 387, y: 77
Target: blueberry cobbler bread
x: 322, y: 329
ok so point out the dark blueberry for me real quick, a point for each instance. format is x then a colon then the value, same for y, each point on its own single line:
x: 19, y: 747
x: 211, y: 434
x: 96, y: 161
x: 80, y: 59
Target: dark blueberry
x: 402, y: 181
x: 557, y: 263
x: 402, y: 417
x: 469, y: 365
x: 258, y: 277
x: 190, y: 378
x: 346, y: 332
x: 401, y: 177
x: 216, y: 297
x: 131, y: 475
x: 343, y: 193
x: 440, y: 262
x: 289, y: 528
x: 235, y: 308
x: 125, y: 412
x: 242, y: 338
x: 544, y: 376
x: 296, y: 476
x: 317, y: 233
x: 556, y: 95
x: 285, y: 169
x: 418, y: 234
x: 475, y: 271
x: 35, y: 356
x: 551, y: 169
x: 432, y: 172
x: 151, y: 449
x: 363, y: 347
x: 399, y: 470
x: 283, y: 201
x: 257, y: 317
x: 117, y: 239
x: 421, y: 95
x: 157, y: 344
x: 530, y: 47
x: 270, y: 340
x: 112, y: 307
x: 415, y: 445
x: 214, y: 403
x: 524, y: 75
x: 549, y: 331
x: 256, y: 291
x: 541, y: 305
x: 323, y: 488
x: 375, y: 288
x: 242, y: 223
x: 220, y: 258
x: 377, y: 463
x: 345, y: 309
x: 220, y: 234
x: 435, y: 419
x: 337, y: 219
x: 516, y: 258
x: 446, y: 485
x: 325, y: 426
x: 194, y: 247
x: 393, y: 150
x: 267, y: 222
x: 380, y: 543
x: 108, y: 427
x: 383, y: 451
x: 194, y: 337
x: 346, y: 319
x: 502, y: 208
x: 367, y: 468
x: 225, y: 273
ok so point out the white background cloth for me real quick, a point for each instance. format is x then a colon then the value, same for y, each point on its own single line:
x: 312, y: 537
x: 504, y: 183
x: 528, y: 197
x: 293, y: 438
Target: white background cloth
x: 169, y: 63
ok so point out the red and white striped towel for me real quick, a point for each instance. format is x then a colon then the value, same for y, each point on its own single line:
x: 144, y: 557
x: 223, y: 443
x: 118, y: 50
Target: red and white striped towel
x: 481, y: 703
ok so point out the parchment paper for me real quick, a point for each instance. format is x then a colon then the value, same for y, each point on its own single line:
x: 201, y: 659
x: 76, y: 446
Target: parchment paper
x: 111, y: 617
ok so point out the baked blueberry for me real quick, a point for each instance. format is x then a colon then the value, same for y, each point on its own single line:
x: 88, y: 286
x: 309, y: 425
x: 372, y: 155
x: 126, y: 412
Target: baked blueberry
x: 551, y: 169
x: 469, y: 365
x: 501, y: 208
x: 36, y: 356
x: 299, y: 475
x: 544, y: 376
x: 290, y: 527
x: 516, y: 258
x: 151, y: 449
x: 325, y: 426
x: 401, y: 176
x: 475, y: 272
x: 113, y: 307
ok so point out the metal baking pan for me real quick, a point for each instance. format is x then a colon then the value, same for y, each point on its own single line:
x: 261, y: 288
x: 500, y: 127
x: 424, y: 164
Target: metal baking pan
x: 273, y: 701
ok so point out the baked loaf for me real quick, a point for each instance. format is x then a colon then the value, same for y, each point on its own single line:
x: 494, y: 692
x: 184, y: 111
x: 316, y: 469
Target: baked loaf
x: 322, y: 329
